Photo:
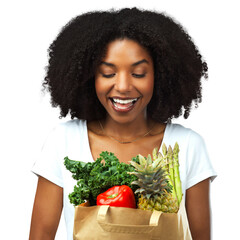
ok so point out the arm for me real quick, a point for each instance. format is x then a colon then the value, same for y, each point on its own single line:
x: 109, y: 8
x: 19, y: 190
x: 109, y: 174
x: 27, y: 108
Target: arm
x: 198, y: 210
x: 46, y: 210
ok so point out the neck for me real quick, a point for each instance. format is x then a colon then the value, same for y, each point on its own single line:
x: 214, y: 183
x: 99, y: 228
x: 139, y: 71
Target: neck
x: 126, y: 131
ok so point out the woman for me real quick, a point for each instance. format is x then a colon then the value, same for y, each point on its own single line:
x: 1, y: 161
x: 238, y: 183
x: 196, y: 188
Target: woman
x: 122, y: 76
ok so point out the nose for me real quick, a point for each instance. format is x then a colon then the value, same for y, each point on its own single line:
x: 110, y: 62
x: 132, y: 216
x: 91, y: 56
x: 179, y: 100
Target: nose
x: 123, y: 83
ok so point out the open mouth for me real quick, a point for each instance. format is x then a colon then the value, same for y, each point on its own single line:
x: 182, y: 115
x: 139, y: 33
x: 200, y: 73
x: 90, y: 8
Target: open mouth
x: 123, y: 104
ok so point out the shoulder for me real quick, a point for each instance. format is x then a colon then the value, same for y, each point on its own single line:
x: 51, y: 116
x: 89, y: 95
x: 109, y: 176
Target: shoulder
x: 74, y: 123
x: 181, y: 131
x: 70, y: 138
x: 69, y: 130
x: 70, y: 125
x: 184, y: 135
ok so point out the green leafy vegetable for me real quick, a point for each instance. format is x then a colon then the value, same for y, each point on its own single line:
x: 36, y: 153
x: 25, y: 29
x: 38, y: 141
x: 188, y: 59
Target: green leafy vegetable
x: 96, y: 177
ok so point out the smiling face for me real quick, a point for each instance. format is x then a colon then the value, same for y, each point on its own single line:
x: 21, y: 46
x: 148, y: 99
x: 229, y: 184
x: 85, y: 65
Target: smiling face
x: 124, y: 80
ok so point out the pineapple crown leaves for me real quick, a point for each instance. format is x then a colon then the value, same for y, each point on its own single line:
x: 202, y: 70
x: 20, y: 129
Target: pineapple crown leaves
x: 147, y: 168
x: 148, y: 164
x: 154, y: 186
x: 142, y: 160
x: 154, y: 153
x: 149, y: 192
x: 151, y: 174
x: 137, y: 166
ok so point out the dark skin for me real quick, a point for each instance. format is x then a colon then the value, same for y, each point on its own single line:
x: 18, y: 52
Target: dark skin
x: 98, y: 141
x: 198, y: 210
x: 126, y: 73
x: 47, y: 210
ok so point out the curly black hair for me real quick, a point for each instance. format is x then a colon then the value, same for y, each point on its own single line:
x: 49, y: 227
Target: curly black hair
x: 78, y: 49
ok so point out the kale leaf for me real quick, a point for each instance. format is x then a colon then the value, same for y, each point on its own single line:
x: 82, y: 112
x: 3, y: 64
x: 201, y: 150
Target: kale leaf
x: 96, y: 177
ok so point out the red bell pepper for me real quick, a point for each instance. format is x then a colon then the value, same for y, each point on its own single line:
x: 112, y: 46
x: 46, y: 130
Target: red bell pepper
x: 117, y: 196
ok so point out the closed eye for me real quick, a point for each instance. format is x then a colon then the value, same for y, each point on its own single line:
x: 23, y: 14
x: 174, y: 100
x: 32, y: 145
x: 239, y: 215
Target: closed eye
x: 133, y: 74
x: 138, y: 75
x: 108, y: 75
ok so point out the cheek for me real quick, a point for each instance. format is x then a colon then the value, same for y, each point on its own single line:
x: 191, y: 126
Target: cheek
x: 98, y: 84
x: 97, y: 89
x: 100, y: 89
x: 148, y: 88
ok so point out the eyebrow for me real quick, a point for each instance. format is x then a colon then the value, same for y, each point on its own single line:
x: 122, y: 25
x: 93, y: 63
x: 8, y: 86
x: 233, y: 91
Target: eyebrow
x: 139, y: 62
x: 134, y: 64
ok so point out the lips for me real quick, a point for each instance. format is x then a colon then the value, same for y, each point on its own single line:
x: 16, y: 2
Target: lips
x: 123, y: 104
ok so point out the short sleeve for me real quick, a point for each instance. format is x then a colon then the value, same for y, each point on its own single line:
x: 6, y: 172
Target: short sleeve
x: 199, y: 166
x: 48, y: 163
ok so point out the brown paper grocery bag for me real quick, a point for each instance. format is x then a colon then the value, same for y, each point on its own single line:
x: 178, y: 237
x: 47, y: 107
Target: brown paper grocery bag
x: 117, y: 223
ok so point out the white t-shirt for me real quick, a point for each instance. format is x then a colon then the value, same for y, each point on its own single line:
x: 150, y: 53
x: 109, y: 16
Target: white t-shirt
x: 71, y: 139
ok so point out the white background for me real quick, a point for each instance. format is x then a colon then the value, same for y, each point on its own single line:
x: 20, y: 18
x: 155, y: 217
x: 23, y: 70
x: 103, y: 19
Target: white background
x: 28, y: 27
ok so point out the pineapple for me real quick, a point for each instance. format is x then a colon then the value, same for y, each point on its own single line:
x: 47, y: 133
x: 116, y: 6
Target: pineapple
x: 156, y: 181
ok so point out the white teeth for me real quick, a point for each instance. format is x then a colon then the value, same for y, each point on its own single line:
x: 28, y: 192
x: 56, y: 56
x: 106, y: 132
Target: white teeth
x: 119, y: 107
x: 121, y: 101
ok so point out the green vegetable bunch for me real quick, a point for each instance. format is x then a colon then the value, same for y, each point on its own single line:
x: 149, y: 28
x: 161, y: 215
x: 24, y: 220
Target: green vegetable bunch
x: 96, y: 177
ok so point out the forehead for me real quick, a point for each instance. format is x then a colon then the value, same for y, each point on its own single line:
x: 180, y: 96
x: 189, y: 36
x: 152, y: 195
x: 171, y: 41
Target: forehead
x: 125, y: 50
